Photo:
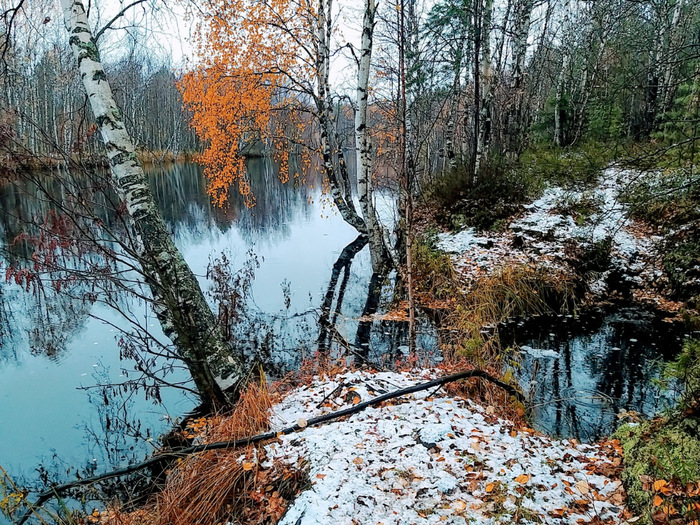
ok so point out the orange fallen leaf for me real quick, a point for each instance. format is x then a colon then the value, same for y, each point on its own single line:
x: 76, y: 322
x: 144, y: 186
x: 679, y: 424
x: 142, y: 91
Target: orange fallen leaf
x: 659, y: 485
x: 489, y: 487
x: 523, y: 478
x: 459, y: 505
x: 248, y: 465
x: 358, y: 461
x: 658, y: 500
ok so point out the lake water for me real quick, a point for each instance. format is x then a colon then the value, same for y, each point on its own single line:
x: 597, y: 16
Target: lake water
x: 55, y: 351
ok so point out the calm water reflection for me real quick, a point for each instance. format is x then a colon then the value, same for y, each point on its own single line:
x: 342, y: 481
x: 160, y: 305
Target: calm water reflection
x: 54, y: 349
x: 581, y: 373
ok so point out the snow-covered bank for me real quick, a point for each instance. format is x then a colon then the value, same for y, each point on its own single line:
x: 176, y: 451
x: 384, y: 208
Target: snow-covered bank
x: 433, y: 458
x: 554, y: 226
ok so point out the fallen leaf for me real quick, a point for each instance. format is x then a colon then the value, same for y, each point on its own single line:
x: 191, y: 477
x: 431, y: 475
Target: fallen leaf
x: 489, y: 487
x: 248, y: 465
x: 658, y: 500
x: 358, y: 461
x: 523, y: 478
x: 660, y: 484
x: 302, y: 422
x: 583, y: 487
x: 459, y: 505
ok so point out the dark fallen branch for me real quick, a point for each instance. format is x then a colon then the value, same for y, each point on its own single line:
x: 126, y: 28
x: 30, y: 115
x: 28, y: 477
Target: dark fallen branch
x: 57, y: 490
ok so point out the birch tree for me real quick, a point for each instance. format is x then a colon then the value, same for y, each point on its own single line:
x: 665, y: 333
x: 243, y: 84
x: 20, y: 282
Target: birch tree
x: 483, y: 77
x: 363, y: 144
x: 521, y: 29
x: 177, y: 298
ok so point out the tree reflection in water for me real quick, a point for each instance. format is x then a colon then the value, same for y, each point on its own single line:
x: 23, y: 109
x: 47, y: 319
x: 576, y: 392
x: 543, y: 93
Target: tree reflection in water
x: 582, y: 372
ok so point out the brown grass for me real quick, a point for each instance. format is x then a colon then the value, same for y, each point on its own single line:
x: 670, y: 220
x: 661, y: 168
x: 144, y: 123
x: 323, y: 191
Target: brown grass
x: 472, y: 311
x: 211, y: 487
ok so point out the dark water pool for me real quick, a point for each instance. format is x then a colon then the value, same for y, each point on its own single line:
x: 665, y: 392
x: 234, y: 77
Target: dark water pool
x: 586, y: 374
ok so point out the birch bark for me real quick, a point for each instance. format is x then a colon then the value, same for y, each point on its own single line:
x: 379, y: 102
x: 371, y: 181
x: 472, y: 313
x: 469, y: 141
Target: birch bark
x: 378, y: 252
x: 339, y: 185
x: 558, y: 99
x: 483, y: 131
x: 521, y: 28
x: 178, y: 301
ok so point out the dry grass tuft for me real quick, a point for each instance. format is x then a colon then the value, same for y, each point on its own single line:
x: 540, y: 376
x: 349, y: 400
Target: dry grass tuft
x: 222, y: 485
x: 512, y: 291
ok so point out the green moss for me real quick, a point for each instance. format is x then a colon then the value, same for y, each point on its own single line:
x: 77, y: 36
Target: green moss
x: 661, y: 449
x: 666, y: 448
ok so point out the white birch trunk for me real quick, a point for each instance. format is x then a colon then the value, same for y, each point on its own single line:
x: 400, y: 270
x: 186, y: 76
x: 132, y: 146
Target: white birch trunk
x: 667, y: 86
x: 486, y: 75
x: 339, y: 186
x: 558, y: 130
x: 521, y: 28
x: 363, y: 144
x: 177, y: 298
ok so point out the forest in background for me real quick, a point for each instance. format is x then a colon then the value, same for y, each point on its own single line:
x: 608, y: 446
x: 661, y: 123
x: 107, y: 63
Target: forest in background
x: 484, y: 80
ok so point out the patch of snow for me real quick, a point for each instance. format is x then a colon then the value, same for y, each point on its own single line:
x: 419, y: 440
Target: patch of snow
x: 540, y: 352
x: 542, y: 234
x: 461, y: 241
x: 428, y: 458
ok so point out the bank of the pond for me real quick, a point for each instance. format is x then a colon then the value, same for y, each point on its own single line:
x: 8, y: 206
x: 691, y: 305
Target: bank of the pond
x: 149, y: 158
x: 589, y: 380
x: 429, y: 457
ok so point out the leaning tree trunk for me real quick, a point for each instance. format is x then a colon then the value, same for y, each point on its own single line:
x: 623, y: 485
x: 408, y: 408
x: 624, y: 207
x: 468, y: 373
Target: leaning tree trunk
x: 177, y: 298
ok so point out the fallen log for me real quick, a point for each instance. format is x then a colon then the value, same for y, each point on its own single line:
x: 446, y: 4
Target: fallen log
x: 57, y: 490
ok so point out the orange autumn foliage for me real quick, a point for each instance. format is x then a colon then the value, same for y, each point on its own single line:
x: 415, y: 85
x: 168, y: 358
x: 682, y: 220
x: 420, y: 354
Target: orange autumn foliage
x: 253, y: 56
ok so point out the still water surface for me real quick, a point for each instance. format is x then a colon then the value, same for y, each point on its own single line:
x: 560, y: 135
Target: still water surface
x: 55, y: 351
x: 51, y: 352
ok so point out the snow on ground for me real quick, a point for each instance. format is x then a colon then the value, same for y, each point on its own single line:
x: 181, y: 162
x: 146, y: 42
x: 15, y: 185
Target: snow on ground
x: 549, y: 227
x: 432, y: 458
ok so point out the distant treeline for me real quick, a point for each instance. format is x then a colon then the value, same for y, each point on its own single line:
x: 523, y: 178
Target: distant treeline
x: 44, y: 111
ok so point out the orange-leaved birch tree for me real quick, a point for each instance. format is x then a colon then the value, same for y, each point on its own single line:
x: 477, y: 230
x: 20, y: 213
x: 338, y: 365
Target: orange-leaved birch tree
x: 238, y: 82
x: 177, y: 298
x: 259, y: 57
